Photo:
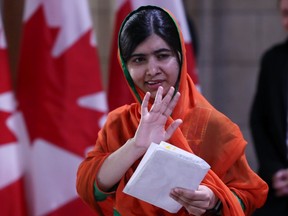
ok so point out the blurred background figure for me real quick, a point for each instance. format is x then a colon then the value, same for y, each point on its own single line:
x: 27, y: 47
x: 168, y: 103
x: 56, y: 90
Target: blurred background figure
x: 268, y: 122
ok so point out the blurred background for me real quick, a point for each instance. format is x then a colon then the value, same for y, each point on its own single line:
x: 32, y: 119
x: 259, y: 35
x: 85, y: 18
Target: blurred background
x: 229, y: 38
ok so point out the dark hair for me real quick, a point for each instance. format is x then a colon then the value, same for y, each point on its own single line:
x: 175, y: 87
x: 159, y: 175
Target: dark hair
x: 142, y: 23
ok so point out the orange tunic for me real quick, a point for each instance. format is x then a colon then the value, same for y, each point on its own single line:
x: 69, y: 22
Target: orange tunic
x: 205, y: 132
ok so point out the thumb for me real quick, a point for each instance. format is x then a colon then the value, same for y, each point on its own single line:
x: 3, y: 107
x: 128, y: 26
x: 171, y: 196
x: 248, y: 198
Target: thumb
x: 172, y: 128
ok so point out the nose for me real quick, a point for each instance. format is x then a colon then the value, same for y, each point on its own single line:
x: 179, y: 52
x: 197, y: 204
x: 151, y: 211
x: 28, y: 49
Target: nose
x: 152, y: 67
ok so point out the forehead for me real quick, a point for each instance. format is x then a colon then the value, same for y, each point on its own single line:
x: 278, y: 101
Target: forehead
x: 151, y: 43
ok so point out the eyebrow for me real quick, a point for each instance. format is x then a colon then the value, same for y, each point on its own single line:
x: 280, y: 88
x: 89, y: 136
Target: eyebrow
x: 154, y: 52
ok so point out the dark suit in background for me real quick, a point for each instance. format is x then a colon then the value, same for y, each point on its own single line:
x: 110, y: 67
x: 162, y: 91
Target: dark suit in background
x: 268, y: 122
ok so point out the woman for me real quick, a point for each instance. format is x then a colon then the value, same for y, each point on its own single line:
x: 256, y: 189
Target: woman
x: 168, y: 108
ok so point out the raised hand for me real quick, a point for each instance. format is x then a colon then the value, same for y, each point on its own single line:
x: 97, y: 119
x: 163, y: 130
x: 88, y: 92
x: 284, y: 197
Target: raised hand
x: 152, y: 123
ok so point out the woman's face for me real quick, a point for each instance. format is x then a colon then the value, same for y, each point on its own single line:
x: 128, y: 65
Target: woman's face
x: 153, y: 64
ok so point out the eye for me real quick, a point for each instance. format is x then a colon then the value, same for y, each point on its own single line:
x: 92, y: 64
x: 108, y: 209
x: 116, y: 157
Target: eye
x: 164, y: 55
x: 137, y: 59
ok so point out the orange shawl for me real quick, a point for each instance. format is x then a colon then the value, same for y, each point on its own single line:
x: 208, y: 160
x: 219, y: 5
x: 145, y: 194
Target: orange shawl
x: 205, y: 131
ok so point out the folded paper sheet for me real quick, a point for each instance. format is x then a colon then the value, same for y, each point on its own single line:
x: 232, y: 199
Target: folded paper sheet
x: 162, y: 168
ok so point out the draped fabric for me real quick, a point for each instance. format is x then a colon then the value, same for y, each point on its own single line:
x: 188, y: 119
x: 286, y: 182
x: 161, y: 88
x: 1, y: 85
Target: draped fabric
x: 205, y: 132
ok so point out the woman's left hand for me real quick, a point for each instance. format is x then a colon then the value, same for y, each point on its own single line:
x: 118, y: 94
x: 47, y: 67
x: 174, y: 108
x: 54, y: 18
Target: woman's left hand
x: 196, y: 202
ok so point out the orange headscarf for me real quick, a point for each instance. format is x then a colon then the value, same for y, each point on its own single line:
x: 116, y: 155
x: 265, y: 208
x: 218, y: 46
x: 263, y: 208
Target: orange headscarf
x: 205, y: 132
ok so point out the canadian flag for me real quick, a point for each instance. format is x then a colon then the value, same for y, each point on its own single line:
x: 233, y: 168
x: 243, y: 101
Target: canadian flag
x: 60, y: 93
x: 118, y: 91
x: 12, y: 164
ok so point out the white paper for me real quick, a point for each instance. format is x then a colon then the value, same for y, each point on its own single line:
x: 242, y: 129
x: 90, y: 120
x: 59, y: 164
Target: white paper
x: 162, y: 168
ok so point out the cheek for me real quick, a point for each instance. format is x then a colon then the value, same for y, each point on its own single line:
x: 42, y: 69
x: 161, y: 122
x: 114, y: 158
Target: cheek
x: 173, y: 69
x: 131, y: 71
x: 135, y: 74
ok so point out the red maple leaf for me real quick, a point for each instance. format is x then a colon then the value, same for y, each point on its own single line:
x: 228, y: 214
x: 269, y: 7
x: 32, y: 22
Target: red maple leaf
x: 48, y: 87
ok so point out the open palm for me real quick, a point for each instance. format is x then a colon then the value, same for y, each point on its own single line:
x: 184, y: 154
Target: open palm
x: 152, y: 122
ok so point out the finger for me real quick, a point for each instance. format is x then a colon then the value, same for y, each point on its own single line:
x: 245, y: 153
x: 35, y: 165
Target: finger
x: 279, y: 185
x: 144, y: 105
x: 167, y: 99
x: 192, y: 210
x: 182, y: 200
x: 280, y: 174
x: 172, y: 104
x: 191, y: 194
x: 179, y: 199
x: 188, y: 205
x: 185, y: 194
x: 279, y: 180
x: 172, y: 128
x: 159, y: 94
x: 158, y: 99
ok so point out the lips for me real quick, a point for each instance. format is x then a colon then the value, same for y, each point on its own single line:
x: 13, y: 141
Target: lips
x: 154, y: 84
